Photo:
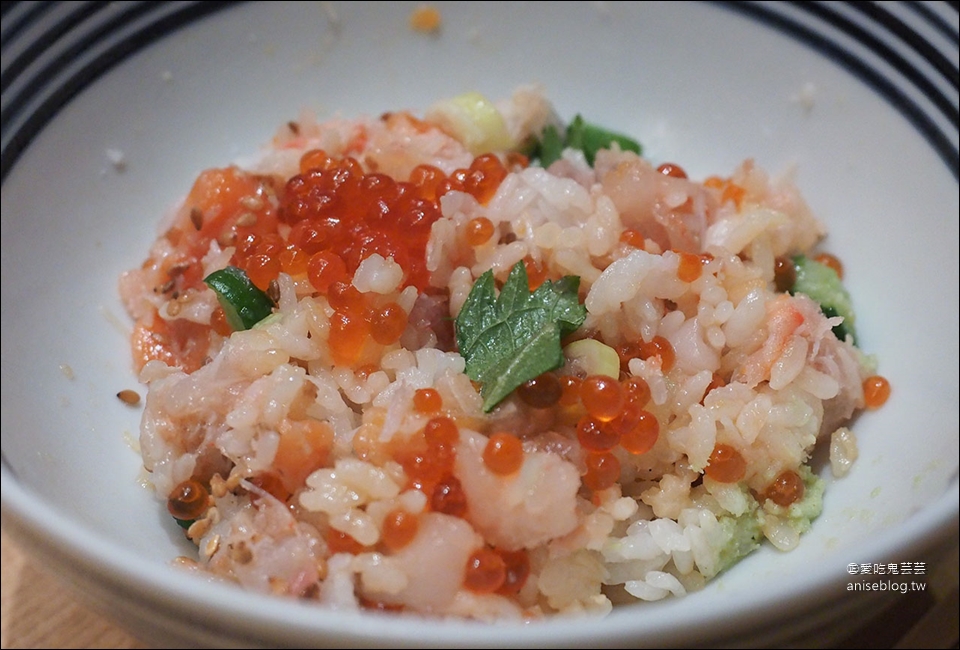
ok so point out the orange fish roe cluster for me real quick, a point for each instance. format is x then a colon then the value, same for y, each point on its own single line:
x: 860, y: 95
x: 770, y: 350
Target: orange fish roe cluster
x: 334, y: 215
x: 338, y: 209
x: 481, y: 179
x: 428, y: 460
x: 339, y: 215
x: 612, y: 415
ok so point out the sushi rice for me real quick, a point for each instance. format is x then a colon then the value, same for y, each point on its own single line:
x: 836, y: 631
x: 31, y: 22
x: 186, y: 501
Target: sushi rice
x: 305, y: 465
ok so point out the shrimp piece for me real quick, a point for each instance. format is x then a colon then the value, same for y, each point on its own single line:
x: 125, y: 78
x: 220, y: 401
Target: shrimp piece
x: 673, y: 212
x: 800, y: 345
x: 838, y: 359
x: 782, y: 322
x: 433, y: 564
x: 257, y: 542
x: 401, y: 142
x: 522, y: 510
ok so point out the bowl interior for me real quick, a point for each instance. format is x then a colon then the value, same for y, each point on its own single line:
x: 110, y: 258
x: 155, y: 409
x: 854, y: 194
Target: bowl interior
x: 85, y: 199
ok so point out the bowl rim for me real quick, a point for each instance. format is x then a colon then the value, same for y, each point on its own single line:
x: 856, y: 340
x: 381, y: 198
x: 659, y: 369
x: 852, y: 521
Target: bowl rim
x: 44, y: 530
x: 46, y: 533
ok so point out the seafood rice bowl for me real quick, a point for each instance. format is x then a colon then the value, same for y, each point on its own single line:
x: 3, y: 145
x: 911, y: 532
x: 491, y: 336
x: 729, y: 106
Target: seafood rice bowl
x: 489, y: 362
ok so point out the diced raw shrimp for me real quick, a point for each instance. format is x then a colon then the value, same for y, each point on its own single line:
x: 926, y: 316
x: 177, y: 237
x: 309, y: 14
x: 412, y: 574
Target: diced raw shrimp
x: 521, y: 510
x: 674, y: 212
x: 434, y: 563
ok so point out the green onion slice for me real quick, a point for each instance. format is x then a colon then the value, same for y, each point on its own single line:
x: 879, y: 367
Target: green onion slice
x: 243, y: 303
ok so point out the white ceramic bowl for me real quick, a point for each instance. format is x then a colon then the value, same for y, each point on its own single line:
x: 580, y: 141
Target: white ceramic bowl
x: 109, y: 114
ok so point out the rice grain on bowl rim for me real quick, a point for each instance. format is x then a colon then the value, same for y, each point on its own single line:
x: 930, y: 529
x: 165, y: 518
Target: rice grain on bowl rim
x: 341, y: 409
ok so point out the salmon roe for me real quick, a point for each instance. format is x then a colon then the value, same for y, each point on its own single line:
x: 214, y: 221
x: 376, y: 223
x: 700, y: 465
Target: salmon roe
x: 346, y: 298
x: 602, y: 397
x: 293, y: 261
x: 478, y: 231
x: 594, y: 436
x: 486, y: 174
x: 315, y: 159
x: 348, y: 336
x: 831, y: 261
x: 441, y: 431
x: 261, y: 268
x: 603, y: 470
x: 717, y: 381
x: 334, y: 207
x: 632, y: 238
x: 218, y: 321
x: 325, y: 268
x: 449, y: 498
x: 427, y: 400
x: 388, y: 324
x: 726, y: 464
x: 876, y: 391
x: 340, y: 542
x: 399, y: 529
x: 638, y: 429
x: 673, y: 170
x: 543, y: 391
x: 516, y: 571
x: 690, y: 267
x: 627, y: 351
x: 784, y: 274
x: 570, y: 390
x: 787, y: 488
x: 536, y: 272
x: 188, y: 500
x: 636, y: 391
x: 485, y: 572
x: 503, y: 454
x: 658, y: 346
x: 427, y: 457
